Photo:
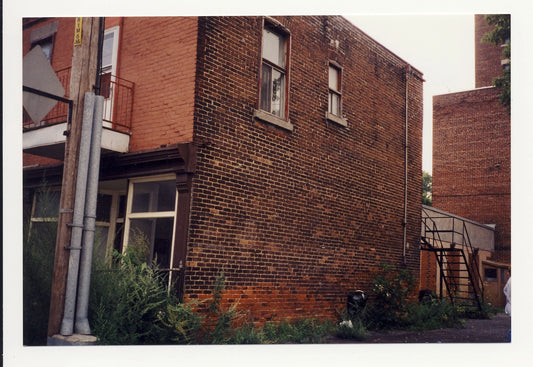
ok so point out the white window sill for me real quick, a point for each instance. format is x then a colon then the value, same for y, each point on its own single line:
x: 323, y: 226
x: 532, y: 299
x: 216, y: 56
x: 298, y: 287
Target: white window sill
x: 338, y: 120
x: 274, y: 120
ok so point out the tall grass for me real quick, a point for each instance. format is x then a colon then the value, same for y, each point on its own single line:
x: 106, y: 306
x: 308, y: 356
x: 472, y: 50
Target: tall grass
x: 37, y: 271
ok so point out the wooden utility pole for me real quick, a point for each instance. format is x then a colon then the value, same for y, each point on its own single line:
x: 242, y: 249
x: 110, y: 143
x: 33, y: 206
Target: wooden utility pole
x: 82, y: 80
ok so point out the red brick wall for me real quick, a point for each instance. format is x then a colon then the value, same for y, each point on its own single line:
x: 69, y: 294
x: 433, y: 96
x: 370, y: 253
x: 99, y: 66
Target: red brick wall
x: 428, y: 271
x: 299, y: 219
x: 471, y: 160
x: 61, y: 58
x: 158, y: 54
x: 488, y: 56
x: 63, y: 41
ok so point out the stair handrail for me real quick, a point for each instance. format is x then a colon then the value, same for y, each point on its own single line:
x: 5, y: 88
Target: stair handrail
x: 465, y: 242
x: 441, y: 246
x: 475, y: 264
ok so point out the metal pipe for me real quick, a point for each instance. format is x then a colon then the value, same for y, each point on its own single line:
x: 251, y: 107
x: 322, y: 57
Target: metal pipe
x: 84, y: 282
x: 101, y: 31
x: 407, y: 71
x: 67, y: 323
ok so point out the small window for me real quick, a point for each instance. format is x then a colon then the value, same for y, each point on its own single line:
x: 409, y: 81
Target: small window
x: 491, y: 274
x: 47, y: 46
x: 334, y: 112
x: 334, y: 105
x: 274, y: 72
x: 44, y: 37
x: 108, y: 77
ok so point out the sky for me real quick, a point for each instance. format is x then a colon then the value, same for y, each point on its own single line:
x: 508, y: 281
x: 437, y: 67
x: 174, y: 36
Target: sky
x: 440, y: 46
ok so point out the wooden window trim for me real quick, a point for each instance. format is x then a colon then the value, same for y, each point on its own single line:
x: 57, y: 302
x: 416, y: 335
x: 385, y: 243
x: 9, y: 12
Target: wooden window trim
x: 259, y: 113
x: 338, y: 119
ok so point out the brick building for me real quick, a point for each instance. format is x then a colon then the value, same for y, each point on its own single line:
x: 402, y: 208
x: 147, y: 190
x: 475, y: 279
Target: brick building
x: 472, y: 152
x: 285, y: 151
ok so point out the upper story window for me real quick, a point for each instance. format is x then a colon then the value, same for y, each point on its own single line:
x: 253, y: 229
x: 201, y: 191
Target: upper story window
x: 335, y: 94
x: 109, y: 70
x: 334, y: 105
x: 47, y: 45
x: 109, y: 51
x: 44, y: 37
x: 274, y: 72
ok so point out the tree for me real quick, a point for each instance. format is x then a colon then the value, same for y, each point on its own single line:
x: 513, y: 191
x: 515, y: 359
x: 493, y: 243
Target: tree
x: 427, y: 185
x: 501, y: 35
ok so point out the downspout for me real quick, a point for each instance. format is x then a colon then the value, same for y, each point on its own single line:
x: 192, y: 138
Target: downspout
x: 407, y: 72
x: 67, y: 323
x: 98, y: 79
x: 84, y: 282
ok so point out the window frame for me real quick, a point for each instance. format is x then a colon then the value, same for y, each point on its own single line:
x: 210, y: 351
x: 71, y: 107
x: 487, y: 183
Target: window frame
x: 35, y: 203
x: 129, y: 215
x: 108, y: 76
x: 283, y: 121
x: 331, y: 116
x: 114, y: 218
x: 42, y: 43
x: 43, y: 35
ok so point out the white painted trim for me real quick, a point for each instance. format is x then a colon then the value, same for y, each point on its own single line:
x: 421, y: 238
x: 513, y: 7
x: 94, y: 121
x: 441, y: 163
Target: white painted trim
x: 274, y: 120
x: 129, y: 215
x: 334, y: 118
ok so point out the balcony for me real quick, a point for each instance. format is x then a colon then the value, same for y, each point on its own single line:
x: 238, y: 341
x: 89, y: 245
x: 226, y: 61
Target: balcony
x: 46, y: 137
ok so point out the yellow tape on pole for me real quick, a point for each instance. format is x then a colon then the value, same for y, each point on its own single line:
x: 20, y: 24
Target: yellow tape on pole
x: 77, y: 32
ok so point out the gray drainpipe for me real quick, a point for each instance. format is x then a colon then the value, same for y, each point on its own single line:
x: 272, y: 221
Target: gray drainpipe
x: 407, y: 72
x: 84, y: 282
x: 67, y: 323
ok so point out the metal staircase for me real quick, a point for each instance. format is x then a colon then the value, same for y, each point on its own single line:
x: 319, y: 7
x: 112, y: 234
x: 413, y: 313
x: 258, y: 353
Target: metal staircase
x: 456, y: 258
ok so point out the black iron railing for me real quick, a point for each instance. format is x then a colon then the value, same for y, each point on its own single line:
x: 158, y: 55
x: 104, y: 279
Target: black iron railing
x: 118, y: 103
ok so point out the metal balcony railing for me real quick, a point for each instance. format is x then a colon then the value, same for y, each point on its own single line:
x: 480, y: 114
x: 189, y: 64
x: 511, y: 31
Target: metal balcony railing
x: 118, y: 103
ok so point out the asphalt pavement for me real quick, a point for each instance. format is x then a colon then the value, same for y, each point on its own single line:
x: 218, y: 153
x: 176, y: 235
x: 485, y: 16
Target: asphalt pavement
x: 494, y: 330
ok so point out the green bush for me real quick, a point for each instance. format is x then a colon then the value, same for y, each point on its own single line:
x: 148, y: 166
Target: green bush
x: 352, y: 330
x: 127, y: 300
x: 38, y: 264
x: 248, y: 334
x: 390, y: 295
x: 298, y: 331
x: 219, y: 326
x: 434, y: 314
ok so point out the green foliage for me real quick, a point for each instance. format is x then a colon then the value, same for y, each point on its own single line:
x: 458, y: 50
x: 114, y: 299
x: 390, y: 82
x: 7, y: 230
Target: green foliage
x: 127, y: 301
x: 248, y: 334
x: 38, y: 259
x: 298, y: 331
x: 38, y: 264
x: 391, y: 290
x: 183, y: 322
x: 220, y: 326
x: 468, y: 311
x: 501, y: 35
x: 393, y: 308
x: 352, y: 329
x: 427, y: 186
x: 433, y: 314
x: 503, y: 83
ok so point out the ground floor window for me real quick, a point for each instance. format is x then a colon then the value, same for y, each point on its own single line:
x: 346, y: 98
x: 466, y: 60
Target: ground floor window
x: 138, y: 212
x: 150, y: 218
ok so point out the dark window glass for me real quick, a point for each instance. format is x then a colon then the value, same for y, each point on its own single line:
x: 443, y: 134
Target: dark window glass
x: 46, y: 204
x: 103, y: 208
x: 154, y: 196
x: 491, y: 274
